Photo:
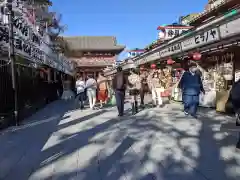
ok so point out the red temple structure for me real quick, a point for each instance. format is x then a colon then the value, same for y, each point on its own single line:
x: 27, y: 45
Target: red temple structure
x: 92, y: 53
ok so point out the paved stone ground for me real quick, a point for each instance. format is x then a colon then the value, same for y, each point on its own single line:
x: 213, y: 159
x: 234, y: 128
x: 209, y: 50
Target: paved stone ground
x: 62, y: 143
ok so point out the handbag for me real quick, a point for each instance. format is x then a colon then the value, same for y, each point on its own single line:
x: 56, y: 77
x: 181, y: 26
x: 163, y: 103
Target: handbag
x: 112, y: 100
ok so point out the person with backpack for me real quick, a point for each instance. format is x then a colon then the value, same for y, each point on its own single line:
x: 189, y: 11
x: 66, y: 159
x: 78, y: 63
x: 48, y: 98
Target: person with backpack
x: 102, y: 89
x: 119, y: 84
x: 134, y: 89
x: 235, y: 99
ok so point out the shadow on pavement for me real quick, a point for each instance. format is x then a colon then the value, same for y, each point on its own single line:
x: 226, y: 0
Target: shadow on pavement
x: 156, y: 144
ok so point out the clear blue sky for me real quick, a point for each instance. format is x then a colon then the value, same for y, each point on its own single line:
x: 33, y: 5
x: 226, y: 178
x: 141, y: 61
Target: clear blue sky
x: 133, y: 22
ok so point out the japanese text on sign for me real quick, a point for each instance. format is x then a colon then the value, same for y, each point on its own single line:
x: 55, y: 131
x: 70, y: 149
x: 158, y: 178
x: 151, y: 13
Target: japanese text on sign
x: 175, y: 48
x: 200, y: 39
x: 206, y: 36
x: 171, y: 33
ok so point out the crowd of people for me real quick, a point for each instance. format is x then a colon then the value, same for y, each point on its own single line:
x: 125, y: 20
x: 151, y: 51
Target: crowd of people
x: 139, y: 82
x: 158, y: 82
x: 92, y: 90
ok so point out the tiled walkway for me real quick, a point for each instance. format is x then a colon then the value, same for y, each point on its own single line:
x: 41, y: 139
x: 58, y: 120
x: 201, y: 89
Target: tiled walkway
x: 156, y: 144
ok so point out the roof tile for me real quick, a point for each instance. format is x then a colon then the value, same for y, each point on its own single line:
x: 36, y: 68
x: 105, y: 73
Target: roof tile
x: 92, y: 42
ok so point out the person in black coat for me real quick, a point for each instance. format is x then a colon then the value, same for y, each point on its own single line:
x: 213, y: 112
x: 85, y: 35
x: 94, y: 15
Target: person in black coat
x: 235, y: 99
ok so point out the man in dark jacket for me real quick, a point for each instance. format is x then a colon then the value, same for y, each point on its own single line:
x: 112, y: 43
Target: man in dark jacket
x: 119, y: 86
x: 191, y: 85
x: 235, y: 99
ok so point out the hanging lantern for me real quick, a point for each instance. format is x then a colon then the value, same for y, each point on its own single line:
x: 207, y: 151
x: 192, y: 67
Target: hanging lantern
x: 170, y: 61
x: 153, y: 66
x: 197, y: 56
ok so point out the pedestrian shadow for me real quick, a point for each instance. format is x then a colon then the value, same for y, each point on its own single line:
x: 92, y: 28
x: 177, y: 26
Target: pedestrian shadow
x: 37, y: 136
x: 81, y: 119
x: 160, y: 145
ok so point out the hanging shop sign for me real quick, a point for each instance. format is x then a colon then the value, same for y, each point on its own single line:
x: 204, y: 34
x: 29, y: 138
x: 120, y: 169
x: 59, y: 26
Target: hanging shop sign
x: 152, y: 57
x: 28, y: 41
x: 170, y: 32
x: 173, y: 49
x: 198, y: 40
x: 31, y: 51
x: 230, y: 28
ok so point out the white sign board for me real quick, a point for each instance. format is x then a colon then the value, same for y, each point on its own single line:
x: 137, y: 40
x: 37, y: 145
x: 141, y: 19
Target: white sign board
x: 152, y: 57
x: 173, y: 49
x: 230, y: 28
x: 205, y: 37
x: 170, y: 33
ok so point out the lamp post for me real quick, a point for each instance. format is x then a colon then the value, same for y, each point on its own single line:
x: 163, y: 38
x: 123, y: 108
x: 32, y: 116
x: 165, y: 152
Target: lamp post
x: 11, y: 56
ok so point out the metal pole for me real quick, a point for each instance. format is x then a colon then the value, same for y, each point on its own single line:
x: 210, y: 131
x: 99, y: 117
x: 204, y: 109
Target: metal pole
x: 11, y: 56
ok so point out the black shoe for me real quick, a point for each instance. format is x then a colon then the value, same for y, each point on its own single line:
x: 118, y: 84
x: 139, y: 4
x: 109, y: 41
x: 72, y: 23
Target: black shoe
x: 136, y: 107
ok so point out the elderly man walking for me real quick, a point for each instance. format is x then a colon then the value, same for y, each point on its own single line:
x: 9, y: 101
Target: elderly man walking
x: 119, y: 84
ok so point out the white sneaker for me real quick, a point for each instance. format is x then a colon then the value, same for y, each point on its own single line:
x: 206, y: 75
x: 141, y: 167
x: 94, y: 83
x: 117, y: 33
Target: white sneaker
x: 186, y: 113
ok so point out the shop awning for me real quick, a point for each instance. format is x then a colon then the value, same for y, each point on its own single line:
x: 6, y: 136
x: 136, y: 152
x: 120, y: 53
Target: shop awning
x: 219, y: 30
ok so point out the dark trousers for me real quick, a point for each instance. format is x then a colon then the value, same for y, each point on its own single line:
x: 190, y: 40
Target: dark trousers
x: 120, y: 96
x: 80, y: 97
x: 191, y: 103
x: 236, y: 107
x: 142, y: 94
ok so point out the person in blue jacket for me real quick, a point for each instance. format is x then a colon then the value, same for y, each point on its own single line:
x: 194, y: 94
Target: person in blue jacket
x: 191, y: 85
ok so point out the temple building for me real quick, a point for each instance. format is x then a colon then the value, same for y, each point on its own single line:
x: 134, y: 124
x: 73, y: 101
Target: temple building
x: 92, y: 54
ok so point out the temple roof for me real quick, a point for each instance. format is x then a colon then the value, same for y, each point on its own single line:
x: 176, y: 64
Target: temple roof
x: 95, y: 43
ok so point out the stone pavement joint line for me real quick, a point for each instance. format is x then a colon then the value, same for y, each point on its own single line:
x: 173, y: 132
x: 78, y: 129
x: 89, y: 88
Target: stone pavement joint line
x: 64, y: 143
